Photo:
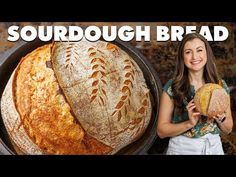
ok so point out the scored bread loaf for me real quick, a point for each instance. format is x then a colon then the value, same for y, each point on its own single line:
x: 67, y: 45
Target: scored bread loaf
x: 76, y: 98
x: 211, y: 99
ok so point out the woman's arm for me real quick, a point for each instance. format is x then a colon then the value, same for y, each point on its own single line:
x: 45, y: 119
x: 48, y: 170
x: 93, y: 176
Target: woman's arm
x: 164, y: 126
x: 227, y: 125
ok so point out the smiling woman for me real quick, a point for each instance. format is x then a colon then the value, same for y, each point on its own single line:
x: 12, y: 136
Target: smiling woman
x: 195, y: 56
x: 189, y: 131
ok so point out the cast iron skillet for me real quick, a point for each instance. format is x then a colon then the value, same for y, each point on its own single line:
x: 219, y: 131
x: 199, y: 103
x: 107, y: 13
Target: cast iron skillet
x: 11, y: 58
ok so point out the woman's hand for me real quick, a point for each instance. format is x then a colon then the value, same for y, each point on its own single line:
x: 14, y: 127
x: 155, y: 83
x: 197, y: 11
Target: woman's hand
x: 220, y: 118
x: 225, y: 121
x: 192, y: 114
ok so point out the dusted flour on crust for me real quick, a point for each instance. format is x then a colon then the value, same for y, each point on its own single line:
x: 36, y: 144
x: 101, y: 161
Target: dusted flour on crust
x: 211, y: 99
x: 105, y: 88
x: 76, y: 98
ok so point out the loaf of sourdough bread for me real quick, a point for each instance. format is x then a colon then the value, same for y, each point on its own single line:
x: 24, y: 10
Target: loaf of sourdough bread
x: 76, y: 98
x: 211, y: 99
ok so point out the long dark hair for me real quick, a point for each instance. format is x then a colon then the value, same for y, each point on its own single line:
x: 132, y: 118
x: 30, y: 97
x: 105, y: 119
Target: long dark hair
x: 181, y: 84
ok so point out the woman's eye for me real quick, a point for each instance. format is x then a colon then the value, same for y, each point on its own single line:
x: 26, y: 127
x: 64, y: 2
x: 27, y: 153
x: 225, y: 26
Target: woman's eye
x: 199, y: 50
x: 187, y: 52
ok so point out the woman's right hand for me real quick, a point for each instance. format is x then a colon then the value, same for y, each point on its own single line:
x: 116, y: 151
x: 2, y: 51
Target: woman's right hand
x: 192, y: 114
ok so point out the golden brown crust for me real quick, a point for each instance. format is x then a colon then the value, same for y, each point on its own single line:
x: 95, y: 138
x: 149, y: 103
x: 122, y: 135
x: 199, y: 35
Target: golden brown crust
x: 43, y: 111
x: 84, y: 98
x: 13, y: 123
x: 197, y: 98
x: 211, y: 99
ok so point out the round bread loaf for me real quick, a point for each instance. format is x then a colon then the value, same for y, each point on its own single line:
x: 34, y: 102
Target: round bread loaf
x: 211, y: 99
x: 76, y: 98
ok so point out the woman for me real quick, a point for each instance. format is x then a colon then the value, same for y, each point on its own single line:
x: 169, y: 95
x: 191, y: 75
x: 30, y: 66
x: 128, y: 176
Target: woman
x: 189, y: 132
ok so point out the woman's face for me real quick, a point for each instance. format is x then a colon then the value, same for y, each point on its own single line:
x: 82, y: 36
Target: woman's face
x: 195, y: 55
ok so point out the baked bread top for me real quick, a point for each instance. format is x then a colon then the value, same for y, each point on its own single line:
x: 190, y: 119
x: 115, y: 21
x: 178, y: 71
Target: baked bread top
x: 211, y: 99
x: 76, y: 98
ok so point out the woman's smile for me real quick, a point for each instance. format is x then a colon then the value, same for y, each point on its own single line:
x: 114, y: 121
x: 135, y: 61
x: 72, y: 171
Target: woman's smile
x: 196, y: 62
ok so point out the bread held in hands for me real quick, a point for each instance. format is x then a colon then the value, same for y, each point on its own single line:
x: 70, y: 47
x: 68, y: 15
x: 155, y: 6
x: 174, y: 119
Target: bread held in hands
x: 211, y: 99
